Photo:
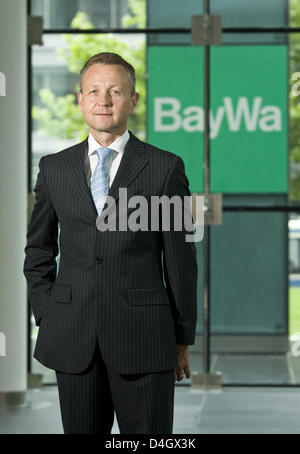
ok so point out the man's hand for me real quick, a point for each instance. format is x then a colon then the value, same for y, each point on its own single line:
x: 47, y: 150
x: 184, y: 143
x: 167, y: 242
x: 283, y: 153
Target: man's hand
x: 183, y: 361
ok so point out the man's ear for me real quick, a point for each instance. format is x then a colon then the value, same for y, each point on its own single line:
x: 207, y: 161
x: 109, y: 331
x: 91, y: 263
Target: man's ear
x: 79, y: 98
x: 134, y: 100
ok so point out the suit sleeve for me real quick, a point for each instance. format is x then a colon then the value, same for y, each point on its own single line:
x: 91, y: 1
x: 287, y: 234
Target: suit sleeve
x: 41, y: 248
x: 180, y: 262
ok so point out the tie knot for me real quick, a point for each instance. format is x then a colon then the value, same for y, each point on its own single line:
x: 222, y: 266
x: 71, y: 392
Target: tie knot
x: 103, y: 153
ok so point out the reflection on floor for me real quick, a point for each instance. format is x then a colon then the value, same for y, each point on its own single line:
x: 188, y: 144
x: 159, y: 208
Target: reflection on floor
x: 253, y: 369
x: 231, y: 410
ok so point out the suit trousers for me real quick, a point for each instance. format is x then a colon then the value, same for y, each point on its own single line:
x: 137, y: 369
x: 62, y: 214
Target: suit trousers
x: 143, y: 403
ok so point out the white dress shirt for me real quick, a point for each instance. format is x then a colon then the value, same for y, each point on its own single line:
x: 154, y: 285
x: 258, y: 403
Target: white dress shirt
x: 114, y: 159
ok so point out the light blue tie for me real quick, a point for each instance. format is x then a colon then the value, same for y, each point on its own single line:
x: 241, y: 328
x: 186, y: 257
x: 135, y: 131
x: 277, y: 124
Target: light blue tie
x: 99, y: 183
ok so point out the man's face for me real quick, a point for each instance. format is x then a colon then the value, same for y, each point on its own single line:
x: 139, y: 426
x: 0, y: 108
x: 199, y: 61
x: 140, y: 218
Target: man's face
x: 106, y: 100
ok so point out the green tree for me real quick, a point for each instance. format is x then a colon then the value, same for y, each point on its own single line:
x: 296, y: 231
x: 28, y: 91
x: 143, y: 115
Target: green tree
x: 60, y: 116
x: 294, y: 103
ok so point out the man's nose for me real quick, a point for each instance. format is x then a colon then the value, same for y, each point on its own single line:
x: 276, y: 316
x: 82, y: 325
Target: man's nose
x: 104, y: 97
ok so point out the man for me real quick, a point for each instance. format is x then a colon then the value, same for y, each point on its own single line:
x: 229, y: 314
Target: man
x: 114, y: 332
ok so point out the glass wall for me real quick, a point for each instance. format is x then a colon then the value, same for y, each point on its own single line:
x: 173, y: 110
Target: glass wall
x: 254, y: 254
x: 59, y: 14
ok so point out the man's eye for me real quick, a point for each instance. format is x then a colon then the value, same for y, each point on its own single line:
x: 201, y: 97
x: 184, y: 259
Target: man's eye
x: 93, y: 91
x: 115, y: 92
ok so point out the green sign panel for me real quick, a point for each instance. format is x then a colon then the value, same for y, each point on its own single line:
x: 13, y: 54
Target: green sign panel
x: 248, y: 114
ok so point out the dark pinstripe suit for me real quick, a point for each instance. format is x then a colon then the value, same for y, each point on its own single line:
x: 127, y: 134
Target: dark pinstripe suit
x: 110, y: 285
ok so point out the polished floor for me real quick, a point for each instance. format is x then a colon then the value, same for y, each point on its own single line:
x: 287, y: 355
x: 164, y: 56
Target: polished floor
x: 230, y: 410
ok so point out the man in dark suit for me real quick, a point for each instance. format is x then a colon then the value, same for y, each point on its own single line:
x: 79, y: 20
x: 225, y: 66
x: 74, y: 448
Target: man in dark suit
x: 117, y: 317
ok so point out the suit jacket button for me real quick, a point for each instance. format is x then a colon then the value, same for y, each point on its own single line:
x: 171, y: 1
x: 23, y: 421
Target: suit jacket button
x: 99, y: 259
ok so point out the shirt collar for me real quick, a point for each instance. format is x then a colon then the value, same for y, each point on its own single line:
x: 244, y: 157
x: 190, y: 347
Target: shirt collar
x: 117, y: 145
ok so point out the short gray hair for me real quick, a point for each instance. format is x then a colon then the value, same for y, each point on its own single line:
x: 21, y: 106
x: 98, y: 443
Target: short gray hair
x: 109, y: 58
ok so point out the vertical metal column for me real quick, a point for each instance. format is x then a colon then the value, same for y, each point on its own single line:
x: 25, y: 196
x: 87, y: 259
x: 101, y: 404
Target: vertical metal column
x: 206, y: 312
x: 206, y: 30
x: 34, y: 36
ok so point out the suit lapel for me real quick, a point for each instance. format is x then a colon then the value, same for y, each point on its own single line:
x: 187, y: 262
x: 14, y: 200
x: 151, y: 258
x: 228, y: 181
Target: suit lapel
x: 133, y: 161
x: 74, y: 170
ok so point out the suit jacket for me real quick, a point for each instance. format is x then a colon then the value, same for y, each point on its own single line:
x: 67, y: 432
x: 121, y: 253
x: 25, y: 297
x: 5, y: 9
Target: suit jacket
x: 135, y: 292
